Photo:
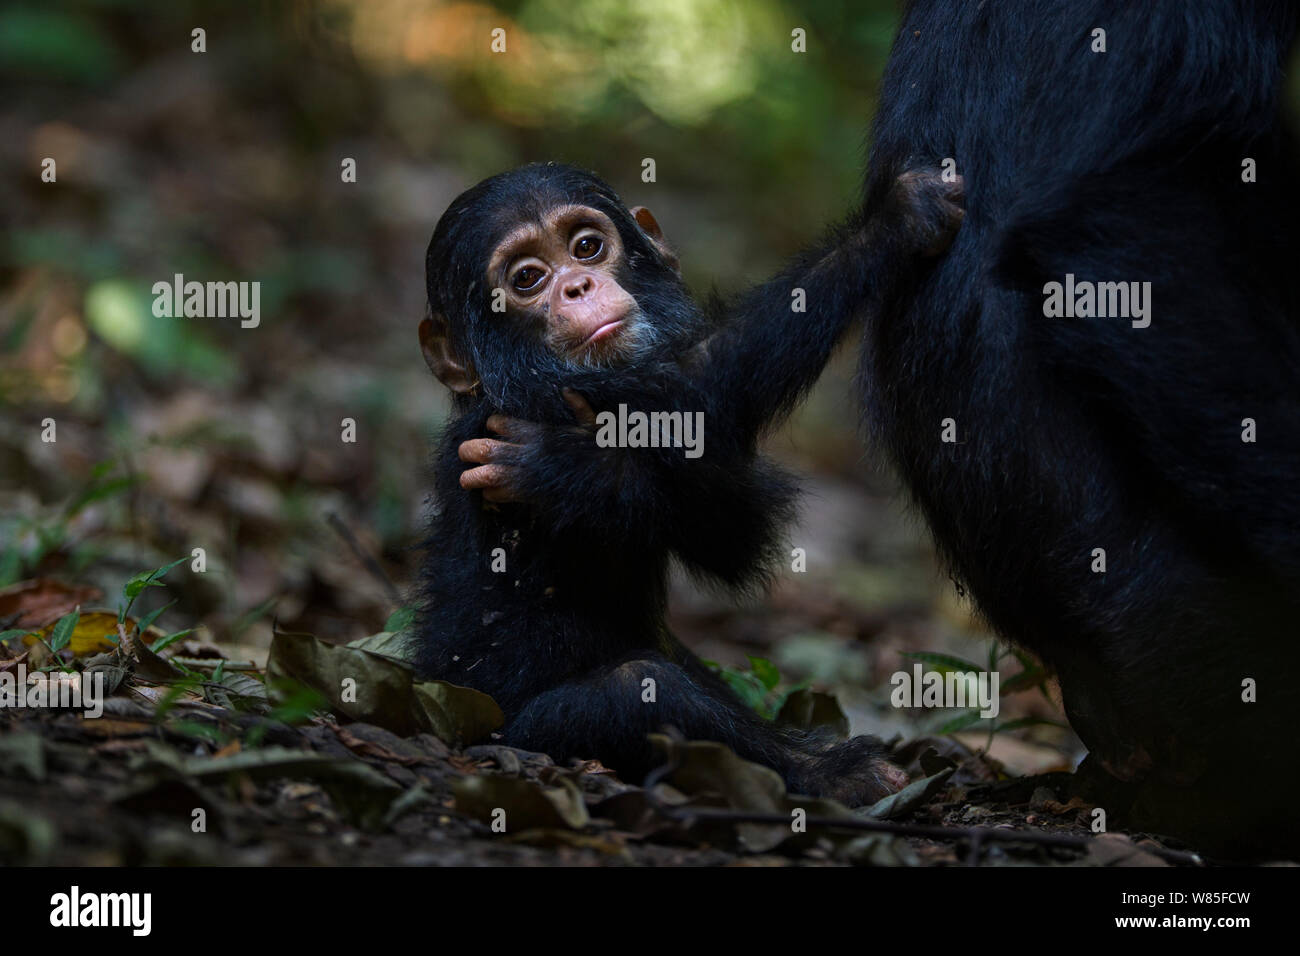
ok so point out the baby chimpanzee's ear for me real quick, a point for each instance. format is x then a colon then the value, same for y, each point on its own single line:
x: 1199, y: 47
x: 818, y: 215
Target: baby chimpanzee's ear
x: 457, y: 374
x: 646, y: 220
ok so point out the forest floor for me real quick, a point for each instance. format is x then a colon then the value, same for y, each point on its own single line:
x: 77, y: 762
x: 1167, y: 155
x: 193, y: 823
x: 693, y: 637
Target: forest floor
x: 205, y: 755
x: 123, y: 790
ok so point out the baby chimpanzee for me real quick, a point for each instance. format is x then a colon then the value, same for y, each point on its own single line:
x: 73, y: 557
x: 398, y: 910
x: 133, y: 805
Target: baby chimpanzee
x: 550, y: 302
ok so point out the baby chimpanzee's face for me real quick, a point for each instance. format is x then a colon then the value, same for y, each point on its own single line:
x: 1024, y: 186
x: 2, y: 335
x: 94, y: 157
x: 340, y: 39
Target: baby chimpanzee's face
x: 541, y: 273
x: 563, y: 269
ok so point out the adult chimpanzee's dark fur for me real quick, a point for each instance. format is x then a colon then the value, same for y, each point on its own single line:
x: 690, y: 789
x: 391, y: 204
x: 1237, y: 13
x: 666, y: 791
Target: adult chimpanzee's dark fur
x: 564, y: 639
x: 1084, y: 433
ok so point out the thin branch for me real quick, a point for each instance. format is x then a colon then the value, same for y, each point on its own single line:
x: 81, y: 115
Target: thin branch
x: 367, y: 561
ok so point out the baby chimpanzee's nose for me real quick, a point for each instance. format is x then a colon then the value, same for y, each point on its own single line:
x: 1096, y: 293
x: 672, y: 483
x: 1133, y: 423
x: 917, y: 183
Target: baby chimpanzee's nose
x: 577, y: 286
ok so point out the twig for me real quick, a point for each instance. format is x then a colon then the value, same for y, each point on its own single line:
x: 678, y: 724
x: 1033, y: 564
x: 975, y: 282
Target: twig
x: 974, y: 836
x: 368, y: 562
x: 970, y: 834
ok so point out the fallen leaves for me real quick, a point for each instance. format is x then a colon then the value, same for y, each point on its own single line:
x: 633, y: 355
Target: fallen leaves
x: 370, y: 687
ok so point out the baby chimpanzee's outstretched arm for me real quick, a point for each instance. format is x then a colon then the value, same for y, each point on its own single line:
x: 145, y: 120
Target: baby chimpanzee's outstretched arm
x: 781, y: 333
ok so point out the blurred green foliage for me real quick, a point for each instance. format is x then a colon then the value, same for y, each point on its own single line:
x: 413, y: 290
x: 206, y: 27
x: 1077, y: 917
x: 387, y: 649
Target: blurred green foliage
x: 224, y: 165
x: 709, y: 88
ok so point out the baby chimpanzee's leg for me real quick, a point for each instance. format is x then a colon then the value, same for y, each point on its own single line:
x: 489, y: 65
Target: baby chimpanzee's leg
x: 608, y: 713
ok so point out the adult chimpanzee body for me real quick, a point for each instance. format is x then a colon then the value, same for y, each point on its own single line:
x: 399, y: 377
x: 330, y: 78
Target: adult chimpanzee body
x: 546, y: 580
x: 1075, y: 434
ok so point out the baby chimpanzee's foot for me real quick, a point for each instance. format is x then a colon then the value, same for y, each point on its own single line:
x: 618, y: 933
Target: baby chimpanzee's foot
x: 854, y: 772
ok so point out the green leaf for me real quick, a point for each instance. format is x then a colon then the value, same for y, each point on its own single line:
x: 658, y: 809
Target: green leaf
x: 145, y: 622
x: 945, y: 662
x: 97, y: 491
x: 960, y: 722
x: 781, y: 698
x: 765, y: 671
x: 1025, y: 680
x: 747, y: 687
x: 149, y: 579
x: 9, y: 635
x: 169, y: 640
x: 297, y: 705
x: 137, y: 584
x: 62, y: 632
x: 250, y: 617
x: 400, y: 619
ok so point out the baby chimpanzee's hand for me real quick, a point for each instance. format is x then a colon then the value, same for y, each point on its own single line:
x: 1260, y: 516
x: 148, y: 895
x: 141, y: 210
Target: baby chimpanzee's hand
x: 928, y: 209
x: 499, y: 463
x: 495, y: 475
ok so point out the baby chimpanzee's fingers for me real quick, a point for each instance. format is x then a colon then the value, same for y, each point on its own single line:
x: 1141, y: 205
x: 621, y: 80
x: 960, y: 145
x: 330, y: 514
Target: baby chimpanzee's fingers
x: 582, y: 410
x: 932, y: 207
x: 504, y: 425
x: 482, y: 451
x: 493, y: 480
x: 484, y: 477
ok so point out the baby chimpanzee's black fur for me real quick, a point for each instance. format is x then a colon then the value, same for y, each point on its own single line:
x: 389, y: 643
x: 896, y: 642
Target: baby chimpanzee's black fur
x: 565, y: 638
x: 1082, y: 433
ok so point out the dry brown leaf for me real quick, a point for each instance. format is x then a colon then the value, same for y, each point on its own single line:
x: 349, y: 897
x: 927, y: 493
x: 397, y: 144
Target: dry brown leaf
x: 40, y: 601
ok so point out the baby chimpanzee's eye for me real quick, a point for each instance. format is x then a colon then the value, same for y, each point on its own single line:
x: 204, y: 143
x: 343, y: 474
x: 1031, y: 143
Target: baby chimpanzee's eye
x: 587, y: 247
x: 526, y: 278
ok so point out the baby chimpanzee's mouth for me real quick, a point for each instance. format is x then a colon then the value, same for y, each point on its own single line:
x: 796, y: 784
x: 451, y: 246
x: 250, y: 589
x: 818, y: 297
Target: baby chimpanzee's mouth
x: 604, y: 332
x: 614, y: 343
